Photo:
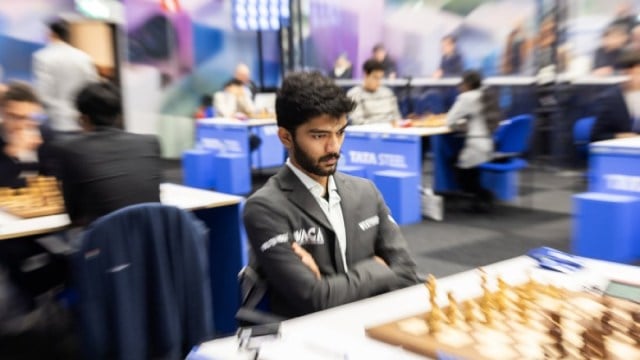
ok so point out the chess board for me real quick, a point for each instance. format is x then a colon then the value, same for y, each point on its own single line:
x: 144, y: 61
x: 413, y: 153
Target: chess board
x: 434, y: 120
x: 40, y: 197
x: 527, y: 321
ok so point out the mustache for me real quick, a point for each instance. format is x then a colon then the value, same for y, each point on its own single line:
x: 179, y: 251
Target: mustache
x: 330, y: 156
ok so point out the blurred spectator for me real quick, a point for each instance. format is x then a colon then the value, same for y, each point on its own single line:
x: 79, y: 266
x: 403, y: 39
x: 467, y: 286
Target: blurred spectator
x: 232, y: 101
x: 516, y: 51
x: 342, y: 68
x: 25, y: 150
x: 21, y: 137
x: 606, y: 58
x: 625, y: 16
x: 104, y: 168
x: 61, y: 70
x: 544, y: 43
x: 380, y: 55
x: 634, y: 43
x: 618, y: 111
x: 205, y: 110
x: 374, y: 103
x: 243, y: 74
x: 475, y: 115
x: 451, y: 63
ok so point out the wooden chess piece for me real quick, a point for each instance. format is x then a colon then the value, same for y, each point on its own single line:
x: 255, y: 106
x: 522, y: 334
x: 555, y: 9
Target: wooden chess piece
x: 452, y: 310
x: 467, y: 308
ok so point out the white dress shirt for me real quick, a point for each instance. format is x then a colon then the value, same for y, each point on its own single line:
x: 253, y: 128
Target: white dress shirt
x: 331, y: 209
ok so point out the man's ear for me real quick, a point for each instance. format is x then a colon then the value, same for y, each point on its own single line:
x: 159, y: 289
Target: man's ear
x: 285, y: 137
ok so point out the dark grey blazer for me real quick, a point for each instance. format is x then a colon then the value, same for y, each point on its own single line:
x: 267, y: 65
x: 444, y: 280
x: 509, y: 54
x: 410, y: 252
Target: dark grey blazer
x: 284, y: 211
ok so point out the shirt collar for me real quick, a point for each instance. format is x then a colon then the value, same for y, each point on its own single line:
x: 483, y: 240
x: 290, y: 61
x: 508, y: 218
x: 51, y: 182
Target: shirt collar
x: 313, y: 186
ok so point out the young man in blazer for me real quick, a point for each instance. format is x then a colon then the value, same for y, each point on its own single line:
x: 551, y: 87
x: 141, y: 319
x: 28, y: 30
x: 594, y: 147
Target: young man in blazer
x: 318, y: 237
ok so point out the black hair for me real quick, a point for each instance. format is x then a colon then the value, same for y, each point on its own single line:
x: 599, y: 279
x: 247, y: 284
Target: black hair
x: 378, y: 47
x: 472, y: 79
x: 305, y: 95
x: 372, y: 65
x: 60, y: 28
x: 491, y: 111
x: 101, y: 103
x: 628, y: 59
x: 206, y: 100
x: 18, y: 91
x: 233, y: 81
x: 451, y: 38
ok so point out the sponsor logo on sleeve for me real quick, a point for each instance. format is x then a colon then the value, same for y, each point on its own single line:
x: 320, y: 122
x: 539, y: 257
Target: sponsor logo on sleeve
x: 278, y: 239
x: 368, y: 223
x: 310, y: 236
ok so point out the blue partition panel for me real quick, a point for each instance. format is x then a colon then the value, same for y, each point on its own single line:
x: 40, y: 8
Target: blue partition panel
x: 376, y: 152
x: 198, y: 168
x: 605, y: 226
x: 400, y: 190
x: 614, y: 170
x: 271, y: 151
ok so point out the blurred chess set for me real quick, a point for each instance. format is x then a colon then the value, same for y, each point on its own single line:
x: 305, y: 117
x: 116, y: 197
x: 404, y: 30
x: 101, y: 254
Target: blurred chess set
x: 40, y: 197
x: 431, y: 120
x: 533, y: 320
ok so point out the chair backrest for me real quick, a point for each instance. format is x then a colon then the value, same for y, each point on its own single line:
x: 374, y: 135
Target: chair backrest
x: 582, y: 133
x: 143, y: 283
x: 512, y: 135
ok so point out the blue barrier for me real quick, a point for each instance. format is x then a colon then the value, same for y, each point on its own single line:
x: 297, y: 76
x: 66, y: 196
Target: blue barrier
x: 232, y: 174
x: 198, y: 167
x: 605, y: 226
x: 400, y: 190
x: 271, y: 151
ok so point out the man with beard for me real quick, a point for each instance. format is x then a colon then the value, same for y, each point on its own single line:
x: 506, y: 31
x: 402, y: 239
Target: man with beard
x: 320, y: 238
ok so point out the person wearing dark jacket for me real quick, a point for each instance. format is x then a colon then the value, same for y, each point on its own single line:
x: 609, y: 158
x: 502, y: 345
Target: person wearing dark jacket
x: 105, y: 168
x: 618, y: 108
x: 24, y: 144
x: 321, y: 238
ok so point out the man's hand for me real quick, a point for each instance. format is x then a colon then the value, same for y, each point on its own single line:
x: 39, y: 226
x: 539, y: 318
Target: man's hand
x: 22, y: 140
x: 307, y: 259
x: 626, y: 135
x: 380, y: 260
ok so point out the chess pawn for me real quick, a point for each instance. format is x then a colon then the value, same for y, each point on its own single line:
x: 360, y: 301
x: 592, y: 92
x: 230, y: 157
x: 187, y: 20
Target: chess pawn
x: 452, y: 310
x: 467, y: 309
x: 435, y: 319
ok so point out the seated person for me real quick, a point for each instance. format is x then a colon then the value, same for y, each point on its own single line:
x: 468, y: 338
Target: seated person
x: 606, y: 58
x: 375, y: 103
x: 21, y: 137
x: 380, y: 55
x: 321, y: 238
x: 451, y: 63
x: 342, y: 69
x: 24, y: 150
x: 232, y: 101
x: 475, y: 114
x: 205, y: 110
x: 618, y: 107
x: 104, y: 168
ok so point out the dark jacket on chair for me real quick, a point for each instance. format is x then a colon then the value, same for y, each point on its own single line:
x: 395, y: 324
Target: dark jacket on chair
x: 143, y: 282
x: 612, y: 115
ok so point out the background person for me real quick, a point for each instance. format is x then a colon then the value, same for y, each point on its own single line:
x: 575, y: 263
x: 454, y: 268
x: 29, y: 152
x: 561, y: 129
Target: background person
x: 60, y: 71
x: 105, y: 168
x: 451, y: 63
x: 379, y: 54
x: 375, y: 103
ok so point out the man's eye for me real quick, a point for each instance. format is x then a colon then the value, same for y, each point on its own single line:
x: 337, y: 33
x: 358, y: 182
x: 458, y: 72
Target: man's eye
x: 317, y: 136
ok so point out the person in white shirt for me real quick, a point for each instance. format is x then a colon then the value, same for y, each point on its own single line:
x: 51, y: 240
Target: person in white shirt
x: 232, y: 101
x: 375, y: 103
x: 60, y: 71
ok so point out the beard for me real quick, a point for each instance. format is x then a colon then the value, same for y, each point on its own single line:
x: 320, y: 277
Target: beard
x: 311, y: 165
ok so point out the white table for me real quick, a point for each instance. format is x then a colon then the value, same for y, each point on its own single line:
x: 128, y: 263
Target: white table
x: 339, y: 333
x: 386, y: 129
x: 227, y: 243
x: 170, y: 194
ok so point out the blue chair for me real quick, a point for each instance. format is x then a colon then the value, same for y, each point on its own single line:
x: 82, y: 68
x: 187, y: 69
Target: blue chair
x: 511, y: 140
x: 582, y: 135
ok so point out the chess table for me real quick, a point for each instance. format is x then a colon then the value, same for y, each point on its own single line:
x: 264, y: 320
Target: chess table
x: 341, y: 332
